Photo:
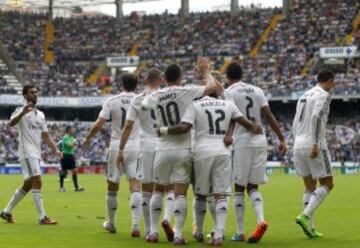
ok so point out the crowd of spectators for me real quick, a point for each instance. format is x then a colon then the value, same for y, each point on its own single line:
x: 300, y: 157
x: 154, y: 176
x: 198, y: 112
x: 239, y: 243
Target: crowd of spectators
x: 96, y: 153
x: 210, y: 33
x: 340, y: 151
x: 82, y: 43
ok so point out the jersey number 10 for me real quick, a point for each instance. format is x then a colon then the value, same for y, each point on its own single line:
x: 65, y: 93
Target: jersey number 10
x: 170, y: 114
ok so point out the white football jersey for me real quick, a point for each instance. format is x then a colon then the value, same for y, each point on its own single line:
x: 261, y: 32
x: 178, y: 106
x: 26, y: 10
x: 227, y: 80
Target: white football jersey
x: 169, y: 105
x: 309, y: 126
x: 249, y: 99
x: 211, y: 118
x: 115, y: 109
x: 30, y: 128
x: 147, y: 122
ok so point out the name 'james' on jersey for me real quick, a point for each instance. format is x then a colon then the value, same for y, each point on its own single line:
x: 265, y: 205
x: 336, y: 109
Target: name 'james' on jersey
x: 169, y: 105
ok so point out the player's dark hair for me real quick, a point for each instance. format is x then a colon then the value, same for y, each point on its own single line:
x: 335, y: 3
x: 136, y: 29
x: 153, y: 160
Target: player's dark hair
x: 129, y: 81
x: 325, y: 75
x: 214, y: 95
x: 234, y: 71
x: 153, y: 75
x: 26, y: 88
x: 172, y: 73
x: 67, y: 128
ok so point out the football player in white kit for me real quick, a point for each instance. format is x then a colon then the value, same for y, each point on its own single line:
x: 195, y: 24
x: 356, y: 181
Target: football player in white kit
x: 31, y: 125
x: 115, y: 109
x: 199, y: 204
x: 172, y: 157
x: 250, y: 156
x: 311, y: 155
x: 212, y: 158
x: 148, y: 143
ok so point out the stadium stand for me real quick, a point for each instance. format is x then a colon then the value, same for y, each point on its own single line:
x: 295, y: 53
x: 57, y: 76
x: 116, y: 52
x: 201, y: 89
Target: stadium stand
x: 280, y: 65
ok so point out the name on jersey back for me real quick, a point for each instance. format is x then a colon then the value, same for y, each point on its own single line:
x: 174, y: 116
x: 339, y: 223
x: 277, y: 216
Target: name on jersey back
x: 167, y: 96
x: 212, y: 103
x: 246, y: 90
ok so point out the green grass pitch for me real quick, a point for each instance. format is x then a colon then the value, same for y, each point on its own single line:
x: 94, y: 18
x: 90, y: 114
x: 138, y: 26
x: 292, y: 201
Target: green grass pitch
x: 80, y: 216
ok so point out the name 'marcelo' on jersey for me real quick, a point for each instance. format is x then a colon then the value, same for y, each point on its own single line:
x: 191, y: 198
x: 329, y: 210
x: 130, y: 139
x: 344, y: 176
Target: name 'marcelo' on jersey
x: 309, y: 126
x: 169, y: 105
x: 249, y: 99
x: 115, y: 109
x: 30, y: 128
x: 211, y: 118
x: 147, y: 122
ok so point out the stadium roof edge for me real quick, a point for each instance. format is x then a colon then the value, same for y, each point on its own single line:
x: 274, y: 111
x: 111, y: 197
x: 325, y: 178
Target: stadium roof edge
x: 41, y: 4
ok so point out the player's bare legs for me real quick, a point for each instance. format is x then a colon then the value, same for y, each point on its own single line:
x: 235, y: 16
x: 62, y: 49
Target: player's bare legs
x: 111, y: 204
x: 135, y: 205
x: 257, y: 204
x: 147, y: 190
x: 180, y: 211
x: 156, y: 206
x: 239, y: 206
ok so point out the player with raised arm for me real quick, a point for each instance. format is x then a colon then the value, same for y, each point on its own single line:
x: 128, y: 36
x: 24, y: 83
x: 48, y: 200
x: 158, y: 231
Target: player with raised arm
x: 148, y: 143
x: 212, y: 159
x: 172, y: 157
x: 31, y: 126
x: 250, y: 150
x: 311, y: 155
x: 115, y: 109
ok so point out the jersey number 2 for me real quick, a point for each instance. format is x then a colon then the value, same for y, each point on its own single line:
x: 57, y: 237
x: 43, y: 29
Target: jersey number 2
x: 248, y: 107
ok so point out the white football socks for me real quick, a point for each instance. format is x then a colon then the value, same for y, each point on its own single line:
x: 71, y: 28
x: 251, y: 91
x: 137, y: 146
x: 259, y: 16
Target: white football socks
x: 199, y: 212
x: 257, y: 203
x: 15, y: 199
x: 146, y: 197
x: 306, y: 199
x: 239, y: 206
x: 180, y: 212
x: 156, y: 206
x: 111, y: 205
x: 221, y: 214
x: 36, y: 194
x: 169, y: 205
x: 212, y: 208
x: 135, y: 206
x: 315, y: 200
